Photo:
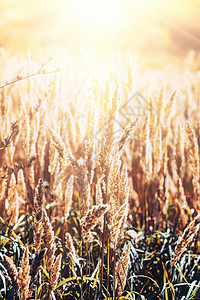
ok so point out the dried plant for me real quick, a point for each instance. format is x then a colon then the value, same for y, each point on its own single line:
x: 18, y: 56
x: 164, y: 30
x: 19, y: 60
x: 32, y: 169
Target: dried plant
x: 38, y: 215
x: 194, y: 157
x: 12, y: 271
x: 24, y: 277
x: 121, y: 269
x: 168, y: 108
x: 48, y: 237
x: 55, y: 272
x: 116, y: 223
x: 39, y: 200
x: 12, y: 201
x: 90, y: 220
x: 21, y: 185
x: 60, y: 146
x: 68, y: 196
x: 34, y: 268
x: 127, y: 133
x: 70, y: 247
x: 82, y: 185
x: 186, y: 238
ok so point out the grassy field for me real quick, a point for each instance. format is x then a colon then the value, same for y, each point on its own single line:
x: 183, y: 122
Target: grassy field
x: 99, y: 151
x: 99, y: 193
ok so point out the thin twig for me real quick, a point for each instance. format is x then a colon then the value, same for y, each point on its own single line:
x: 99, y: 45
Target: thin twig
x: 18, y: 167
x: 20, y: 78
x: 7, y: 140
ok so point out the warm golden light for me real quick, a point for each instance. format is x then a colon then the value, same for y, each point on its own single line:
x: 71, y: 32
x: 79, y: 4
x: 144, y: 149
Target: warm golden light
x: 96, y: 21
x: 148, y: 28
x: 93, y: 12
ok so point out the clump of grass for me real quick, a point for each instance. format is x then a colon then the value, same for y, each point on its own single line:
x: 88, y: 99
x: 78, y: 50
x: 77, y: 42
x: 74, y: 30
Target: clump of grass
x: 186, y: 238
x: 88, y: 212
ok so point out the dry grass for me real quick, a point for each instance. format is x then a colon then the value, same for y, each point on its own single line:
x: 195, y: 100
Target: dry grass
x: 89, y: 212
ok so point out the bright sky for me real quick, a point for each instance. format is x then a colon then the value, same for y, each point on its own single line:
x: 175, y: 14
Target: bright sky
x: 148, y: 27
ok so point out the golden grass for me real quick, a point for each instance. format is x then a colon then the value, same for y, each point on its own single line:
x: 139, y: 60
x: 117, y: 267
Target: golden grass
x: 61, y: 162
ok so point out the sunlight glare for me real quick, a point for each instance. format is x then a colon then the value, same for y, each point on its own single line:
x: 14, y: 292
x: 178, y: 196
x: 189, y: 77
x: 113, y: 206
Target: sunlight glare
x: 96, y: 18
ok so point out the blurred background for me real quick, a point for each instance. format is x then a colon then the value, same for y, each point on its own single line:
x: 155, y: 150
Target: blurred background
x: 151, y: 29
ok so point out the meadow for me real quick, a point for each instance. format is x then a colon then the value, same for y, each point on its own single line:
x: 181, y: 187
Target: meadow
x: 99, y: 178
